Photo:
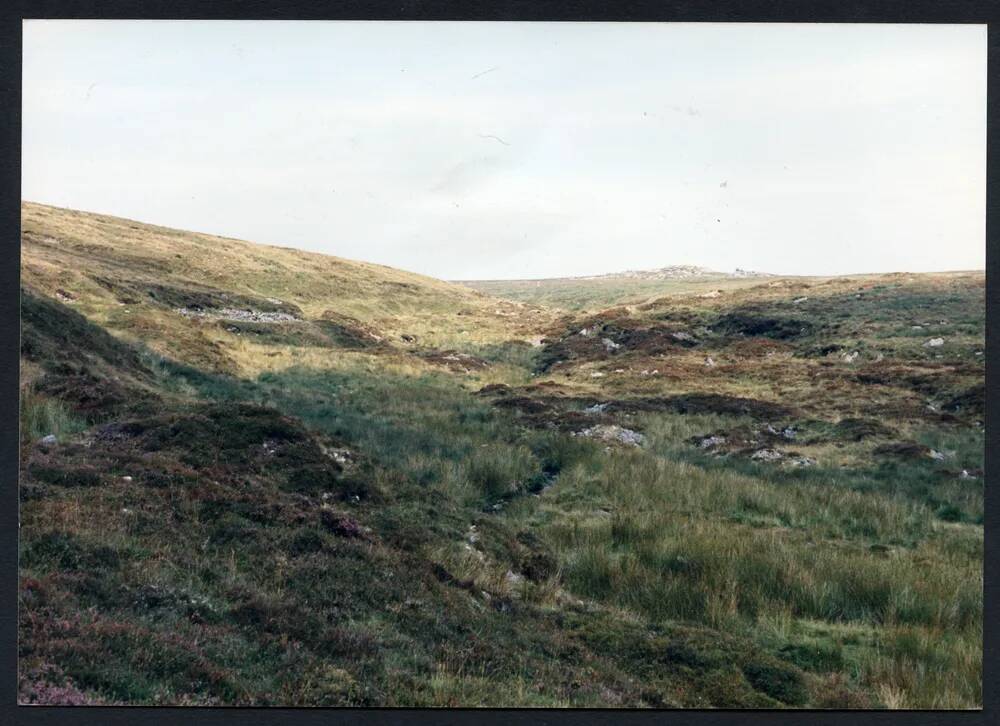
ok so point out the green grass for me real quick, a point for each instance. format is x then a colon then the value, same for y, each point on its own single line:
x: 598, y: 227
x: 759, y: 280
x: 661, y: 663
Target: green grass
x: 42, y: 416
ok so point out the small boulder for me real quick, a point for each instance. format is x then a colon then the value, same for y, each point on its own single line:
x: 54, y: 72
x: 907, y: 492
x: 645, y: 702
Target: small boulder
x: 49, y: 440
x: 934, y: 343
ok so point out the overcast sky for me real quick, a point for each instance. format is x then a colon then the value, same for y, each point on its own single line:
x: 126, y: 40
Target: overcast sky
x: 510, y: 150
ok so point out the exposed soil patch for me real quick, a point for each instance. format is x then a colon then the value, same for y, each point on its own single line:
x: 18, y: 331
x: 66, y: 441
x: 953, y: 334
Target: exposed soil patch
x: 706, y: 403
x: 348, y: 332
x: 334, y: 332
x: 904, y: 450
x: 524, y: 404
x: 494, y: 389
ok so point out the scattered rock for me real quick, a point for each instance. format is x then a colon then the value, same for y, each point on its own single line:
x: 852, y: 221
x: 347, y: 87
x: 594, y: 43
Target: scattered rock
x: 341, y: 456
x: 767, y: 455
x: 798, y: 300
x: 850, y: 357
x: 246, y: 316
x: 48, y: 440
x: 614, y: 434
x: 709, y: 362
x: 610, y: 345
x: 710, y: 442
x: 934, y: 343
x: 597, y: 374
x: 681, y: 335
x: 801, y: 461
x: 595, y: 409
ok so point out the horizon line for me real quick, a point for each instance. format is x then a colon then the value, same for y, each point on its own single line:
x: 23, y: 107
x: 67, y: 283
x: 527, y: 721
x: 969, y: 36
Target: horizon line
x: 712, y: 274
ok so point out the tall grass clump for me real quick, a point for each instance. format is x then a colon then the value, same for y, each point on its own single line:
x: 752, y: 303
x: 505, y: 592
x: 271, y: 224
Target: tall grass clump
x: 42, y: 415
x: 502, y: 471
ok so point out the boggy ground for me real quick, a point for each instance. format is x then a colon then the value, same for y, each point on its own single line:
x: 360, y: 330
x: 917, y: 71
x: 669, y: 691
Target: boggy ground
x: 683, y: 501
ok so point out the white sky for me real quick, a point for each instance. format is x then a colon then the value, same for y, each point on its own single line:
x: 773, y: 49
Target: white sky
x: 498, y: 150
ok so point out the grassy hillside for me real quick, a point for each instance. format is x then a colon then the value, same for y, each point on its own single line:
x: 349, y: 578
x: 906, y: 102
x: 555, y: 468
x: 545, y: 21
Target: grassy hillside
x: 769, y: 497
x: 137, y: 279
x: 595, y: 293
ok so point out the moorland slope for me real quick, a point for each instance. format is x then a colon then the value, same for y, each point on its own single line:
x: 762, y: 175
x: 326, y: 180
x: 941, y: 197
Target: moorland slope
x: 252, y: 475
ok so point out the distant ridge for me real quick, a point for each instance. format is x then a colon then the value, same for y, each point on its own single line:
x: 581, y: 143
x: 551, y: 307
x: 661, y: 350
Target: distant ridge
x: 671, y: 272
x: 674, y: 272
